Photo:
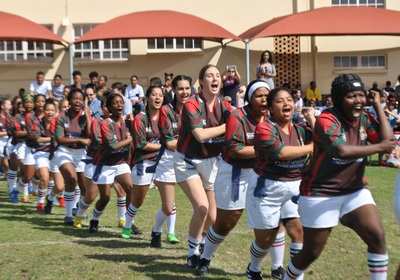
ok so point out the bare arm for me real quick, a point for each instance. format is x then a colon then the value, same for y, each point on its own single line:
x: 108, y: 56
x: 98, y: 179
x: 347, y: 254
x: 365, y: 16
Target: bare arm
x: 204, y: 134
x: 293, y: 152
x: 172, y: 145
x: 152, y: 147
x: 247, y: 152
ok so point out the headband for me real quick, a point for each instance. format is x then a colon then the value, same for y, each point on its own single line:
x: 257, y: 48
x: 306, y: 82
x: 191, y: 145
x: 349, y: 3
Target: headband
x: 255, y: 86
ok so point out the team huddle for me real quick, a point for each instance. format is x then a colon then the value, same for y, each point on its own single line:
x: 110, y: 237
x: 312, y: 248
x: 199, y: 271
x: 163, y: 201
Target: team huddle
x: 299, y: 178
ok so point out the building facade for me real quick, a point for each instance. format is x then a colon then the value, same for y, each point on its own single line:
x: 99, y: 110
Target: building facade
x: 375, y: 58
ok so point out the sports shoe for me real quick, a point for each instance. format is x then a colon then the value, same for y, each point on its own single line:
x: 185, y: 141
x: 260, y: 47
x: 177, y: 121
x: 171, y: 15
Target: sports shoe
x: 171, y: 238
x: 121, y: 222
x: 14, y: 196
x: 40, y: 207
x: 201, y: 248
x: 126, y: 233
x: 74, y: 211
x: 202, y: 268
x: 193, y: 261
x: 61, y: 201
x: 278, y: 273
x: 78, y: 221
x: 155, y: 239
x: 93, y: 226
x: 49, y: 206
x: 253, y: 275
x: 25, y: 199
x: 69, y: 221
x: 136, y: 230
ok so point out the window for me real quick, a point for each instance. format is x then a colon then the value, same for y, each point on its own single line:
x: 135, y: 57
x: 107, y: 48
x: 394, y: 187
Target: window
x: 364, y: 61
x: 368, y: 3
x: 26, y: 50
x: 99, y: 50
x: 173, y: 43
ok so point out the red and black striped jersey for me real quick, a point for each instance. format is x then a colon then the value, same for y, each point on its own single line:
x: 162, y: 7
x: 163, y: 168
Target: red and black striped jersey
x: 169, y: 124
x: 72, y: 125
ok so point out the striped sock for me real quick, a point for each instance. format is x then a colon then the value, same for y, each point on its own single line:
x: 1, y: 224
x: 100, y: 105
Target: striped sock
x: 213, y: 240
x: 130, y: 215
x: 50, y: 187
x: 25, y: 189
x: 193, y: 246
x: 160, y: 219
x: 82, y: 208
x: 12, y: 180
x: 377, y: 264
x: 278, y: 251
x: 292, y: 272
x: 121, y: 205
x: 69, y: 203
x: 41, y: 195
x: 171, y: 220
x: 295, y: 248
x: 257, y: 254
x: 77, y: 196
x: 96, y: 214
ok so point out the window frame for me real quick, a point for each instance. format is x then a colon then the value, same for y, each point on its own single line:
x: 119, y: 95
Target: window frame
x: 338, y: 3
x: 197, y: 44
x: 360, y: 63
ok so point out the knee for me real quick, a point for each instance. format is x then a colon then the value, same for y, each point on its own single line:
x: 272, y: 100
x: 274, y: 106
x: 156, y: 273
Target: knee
x: 168, y: 209
x: 376, y: 241
x: 104, y: 200
x: 201, y: 210
x: 295, y: 233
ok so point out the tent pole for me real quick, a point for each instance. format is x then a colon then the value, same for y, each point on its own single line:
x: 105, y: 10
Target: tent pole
x: 247, y: 46
x: 71, y: 61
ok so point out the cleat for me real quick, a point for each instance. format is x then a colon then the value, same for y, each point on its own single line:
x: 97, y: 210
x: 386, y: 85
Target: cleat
x: 202, y: 268
x: 40, y: 208
x: 14, y: 196
x: 25, y: 199
x: 126, y: 233
x: 74, y: 211
x: 253, y: 275
x: 201, y: 248
x: 93, y: 226
x: 49, y: 206
x: 78, y: 221
x: 136, y: 230
x: 278, y: 273
x: 121, y: 222
x: 155, y: 239
x: 61, y: 201
x: 69, y: 221
x: 172, y: 239
x: 193, y: 261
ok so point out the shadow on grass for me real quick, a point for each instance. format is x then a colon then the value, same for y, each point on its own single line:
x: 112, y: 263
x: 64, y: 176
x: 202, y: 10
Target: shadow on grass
x: 114, y: 244
x: 155, y: 266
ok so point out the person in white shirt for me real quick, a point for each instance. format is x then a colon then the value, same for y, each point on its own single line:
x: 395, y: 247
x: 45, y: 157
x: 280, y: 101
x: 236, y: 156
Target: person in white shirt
x: 58, y: 88
x: 134, y: 92
x: 40, y: 86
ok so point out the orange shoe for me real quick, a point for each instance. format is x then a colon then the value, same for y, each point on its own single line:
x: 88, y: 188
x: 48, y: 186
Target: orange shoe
x: 40, y: 208
x: 61, y: 201
x: 25, y: 199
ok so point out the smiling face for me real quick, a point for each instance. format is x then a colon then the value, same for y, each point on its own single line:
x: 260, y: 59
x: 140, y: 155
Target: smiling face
x: 155, y: 99
x: 183, y: 91
x: 117, y: 105
x: 211, y: 82
x: 49, y: 111
x: 259, y: 101
x: 40, y: 100
x: 282, y: 106
x: 353, y: 104
x: 77, y: 101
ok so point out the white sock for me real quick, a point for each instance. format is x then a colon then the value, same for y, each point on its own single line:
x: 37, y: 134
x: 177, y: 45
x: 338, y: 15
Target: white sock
x: 378, y: 264
x: 292, y: 272
x: 130, y: 215
x: 278, y: 251
x: 41, y: 195
x: 295, y: 248
x: 193, y: 246
x: 25, y: 189
x: 82, y: 208
x: 96, y: 214
x: 77, y: 196
x: 160, y: 219
x: 12, y: 180
x: 171, y: 220
x: 213, y: 240
x: 257, y: 255
x: 35, y: 185
x: 121, y: 205
x: 50, y: 187
x: 69, y: 203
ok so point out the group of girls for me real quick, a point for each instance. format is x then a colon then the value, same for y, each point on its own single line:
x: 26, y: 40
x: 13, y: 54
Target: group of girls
x: 302, y: 179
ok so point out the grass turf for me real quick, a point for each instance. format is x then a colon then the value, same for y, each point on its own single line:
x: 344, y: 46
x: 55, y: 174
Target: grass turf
x: 34, y: 246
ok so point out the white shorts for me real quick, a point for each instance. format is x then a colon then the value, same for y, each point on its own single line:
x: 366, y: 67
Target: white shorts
x: 89, y: 170
x: 64, y: 155
x: 3, y: 145
x: 53, y: 166
x: 264, y: 210
x: 109, y: 172
x: 41, y: 159
x: 206, y: 169
x: 224, y: 183
x: 19, y: 150
x: 28, y: 159
x: 325, y: 212
x: 290, y: 210
x: 397, y: 198
x: 165, y: 171
x: 139, y: 175
x: 9, y: 148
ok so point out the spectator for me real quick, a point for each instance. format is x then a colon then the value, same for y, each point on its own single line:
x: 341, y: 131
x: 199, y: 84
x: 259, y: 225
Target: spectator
x: 77, y: 80
x: 167, y: 88
x: 388, y: 88
x: 313, y: 93
x: 93, y: 77
x: 266, y: 69
x: 102, y: 85
x: 155, y: 82
x: 135, y: 94
x: 40, y: 86
x: 231, y: 83
x: 118, y: 88
x: 58, y: 88
x: 93, y: 102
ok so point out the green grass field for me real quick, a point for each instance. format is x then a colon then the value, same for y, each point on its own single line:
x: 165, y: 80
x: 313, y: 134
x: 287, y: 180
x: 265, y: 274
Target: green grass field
x: 34, y: 246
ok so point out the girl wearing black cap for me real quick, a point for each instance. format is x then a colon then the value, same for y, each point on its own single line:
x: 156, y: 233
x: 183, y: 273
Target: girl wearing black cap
x: 333, y: 190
